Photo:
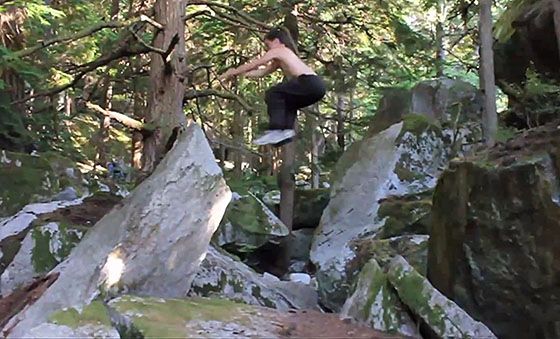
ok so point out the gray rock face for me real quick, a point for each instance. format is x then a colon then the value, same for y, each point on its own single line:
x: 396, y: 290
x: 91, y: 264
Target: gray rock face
x: 442, y: 315
x: 221, y: 275
x: 152, y: 244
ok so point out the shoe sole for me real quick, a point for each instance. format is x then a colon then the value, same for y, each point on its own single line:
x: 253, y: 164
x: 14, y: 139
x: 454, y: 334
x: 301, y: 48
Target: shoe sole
x: 283, y: 142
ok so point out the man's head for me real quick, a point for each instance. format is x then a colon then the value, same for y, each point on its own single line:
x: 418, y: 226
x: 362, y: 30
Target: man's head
x: 279, y: 36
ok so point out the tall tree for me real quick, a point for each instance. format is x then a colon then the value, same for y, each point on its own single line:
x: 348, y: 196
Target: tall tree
x: 167, y: 76
x: 486, y: 72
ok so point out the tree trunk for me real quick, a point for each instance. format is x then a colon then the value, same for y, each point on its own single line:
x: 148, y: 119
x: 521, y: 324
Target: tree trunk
x: 105, y: 122
x: 556, y: 6
x: 103, y: 136
x: 165, y: 101
x: 237, y: 136
x: 287, y: 176
x: 316, y: 138
x: 440, y: 35
x: 486, y: 73
x: 340, y: 106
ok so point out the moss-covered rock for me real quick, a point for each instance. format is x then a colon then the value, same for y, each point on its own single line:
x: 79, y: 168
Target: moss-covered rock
x: 494, y: 248
x: 95, y: 313
x: 414, y: 248
x: 152, y: 243
x: 248, y: 224
x: 42, y: 235
x: 43, y: 248
x: 376, y: 304
x: 92, y: 321
x: 443, y: 316
x: 196, y: 317
x: 222, y: 275
x: 405, y: 215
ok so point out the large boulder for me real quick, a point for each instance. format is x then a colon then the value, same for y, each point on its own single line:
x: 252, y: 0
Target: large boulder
x: 376, y: 304
x: 439, y: 121
x: 440, y: 314
x: 221, y: 275
x: 494, y: 246
x: 14, y: 229
x: 151, y: 244
x: 414, y: 248
x: 248, y: 225
x: 42, y: 235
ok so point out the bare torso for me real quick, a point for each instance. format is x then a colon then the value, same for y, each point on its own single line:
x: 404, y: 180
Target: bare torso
x: 290, y: 63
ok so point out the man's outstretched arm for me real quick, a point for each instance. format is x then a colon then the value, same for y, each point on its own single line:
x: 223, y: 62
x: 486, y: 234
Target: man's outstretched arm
x: 261, y: 72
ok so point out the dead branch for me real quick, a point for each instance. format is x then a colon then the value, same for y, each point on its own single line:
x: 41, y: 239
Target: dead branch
x: 145, y: 18
x: 122, y: 118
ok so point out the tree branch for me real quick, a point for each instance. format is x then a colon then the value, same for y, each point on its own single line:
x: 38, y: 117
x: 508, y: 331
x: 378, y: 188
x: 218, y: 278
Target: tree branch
x: 123, y: 119
x: 145, y: 18
x: 145, y: 44
x: 193, y: 94
x: 69, y: 38
x: 195, y: 14
x: 123, y: 50
x: 237, y: 11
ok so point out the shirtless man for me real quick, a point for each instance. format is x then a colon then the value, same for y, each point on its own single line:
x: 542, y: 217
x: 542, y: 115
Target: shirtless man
x: 302, y: 87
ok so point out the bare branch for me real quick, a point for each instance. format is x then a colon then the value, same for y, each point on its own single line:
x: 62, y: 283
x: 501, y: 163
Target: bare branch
x: 145, y: 18
x: 123, y: 119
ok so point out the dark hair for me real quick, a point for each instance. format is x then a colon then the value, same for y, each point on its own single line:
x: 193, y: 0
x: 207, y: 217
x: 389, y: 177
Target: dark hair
x: 284, y: 36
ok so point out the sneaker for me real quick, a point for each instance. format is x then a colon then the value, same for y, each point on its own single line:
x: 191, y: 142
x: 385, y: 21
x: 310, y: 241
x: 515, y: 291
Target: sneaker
x: 275, y: 137
x: 284, y: 134
x: 266, y: 137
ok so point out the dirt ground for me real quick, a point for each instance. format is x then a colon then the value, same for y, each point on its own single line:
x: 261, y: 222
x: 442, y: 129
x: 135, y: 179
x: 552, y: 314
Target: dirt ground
x: 313, y: 324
